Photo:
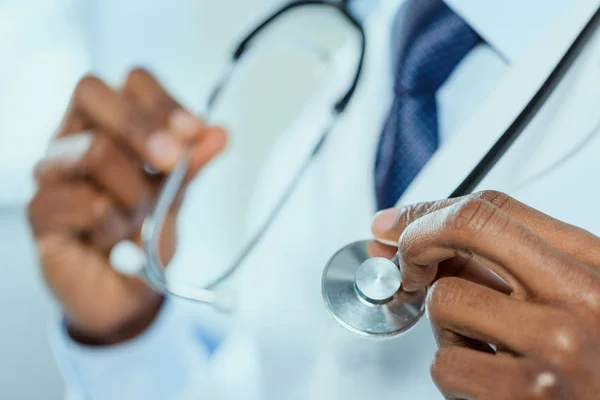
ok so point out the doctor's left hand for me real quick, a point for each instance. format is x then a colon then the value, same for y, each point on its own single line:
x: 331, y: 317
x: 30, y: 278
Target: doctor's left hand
x: 543, y: 316
x: 99, y: 180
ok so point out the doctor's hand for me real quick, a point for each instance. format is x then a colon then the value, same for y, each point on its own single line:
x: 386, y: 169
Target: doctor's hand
x: 94, y: 191
x: 543, y: 316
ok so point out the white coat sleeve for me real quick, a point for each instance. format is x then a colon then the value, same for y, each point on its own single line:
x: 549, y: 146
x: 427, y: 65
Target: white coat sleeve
x: 170, y: 360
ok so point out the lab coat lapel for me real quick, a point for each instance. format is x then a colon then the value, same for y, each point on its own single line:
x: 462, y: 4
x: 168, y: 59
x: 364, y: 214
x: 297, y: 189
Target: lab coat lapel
x: 577, y: 107
x: 457, y: 158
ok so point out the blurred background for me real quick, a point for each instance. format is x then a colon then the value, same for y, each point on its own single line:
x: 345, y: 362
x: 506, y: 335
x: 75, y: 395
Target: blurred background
x: 46, y: 46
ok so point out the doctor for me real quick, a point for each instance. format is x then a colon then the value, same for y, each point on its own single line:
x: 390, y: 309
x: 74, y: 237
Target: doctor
x: 121, y: 340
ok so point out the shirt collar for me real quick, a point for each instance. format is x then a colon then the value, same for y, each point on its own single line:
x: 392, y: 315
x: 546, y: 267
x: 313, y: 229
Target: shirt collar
x: 511, y: 26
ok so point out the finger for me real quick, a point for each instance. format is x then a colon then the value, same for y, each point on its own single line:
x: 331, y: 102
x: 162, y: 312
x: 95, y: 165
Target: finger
x: 113, y: 228
x: 473, y: 269
x: 389, y: 224
x: 102, y: 159
x: 154, y: 100
x: 462, y: 373
x: 143, y: 88
x: 469, y: 268
x: 78, y: 210
x: 376, y: 249
x: 104, y: 108
x: 66, y: 207
x: 475, y: 226
x: 449, y: 338
x: 73, y: 121
x: 482, y: 314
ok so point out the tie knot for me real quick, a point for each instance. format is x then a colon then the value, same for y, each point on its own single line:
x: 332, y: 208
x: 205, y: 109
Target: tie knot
x: 432, y: 40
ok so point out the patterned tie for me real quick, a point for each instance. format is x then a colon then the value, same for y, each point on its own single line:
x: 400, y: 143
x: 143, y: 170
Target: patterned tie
x: 429, y: 41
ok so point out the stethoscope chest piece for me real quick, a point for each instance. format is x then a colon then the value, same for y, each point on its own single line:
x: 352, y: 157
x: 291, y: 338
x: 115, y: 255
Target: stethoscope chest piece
x: 363, y: 293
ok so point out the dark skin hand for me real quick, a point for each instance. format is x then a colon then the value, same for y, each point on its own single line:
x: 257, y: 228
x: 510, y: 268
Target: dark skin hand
x: 94, y: 191
x: 543, y: 316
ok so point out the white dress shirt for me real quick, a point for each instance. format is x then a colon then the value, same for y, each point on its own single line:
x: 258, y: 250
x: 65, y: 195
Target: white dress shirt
x: 280, y: 345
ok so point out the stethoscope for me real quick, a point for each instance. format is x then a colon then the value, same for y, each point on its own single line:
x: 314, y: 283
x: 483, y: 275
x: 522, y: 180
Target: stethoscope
x: 363, y: 293
x: 153, y: 269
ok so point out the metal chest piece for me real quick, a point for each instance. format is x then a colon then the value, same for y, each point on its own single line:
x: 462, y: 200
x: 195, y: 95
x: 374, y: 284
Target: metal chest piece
x: 363, y: 293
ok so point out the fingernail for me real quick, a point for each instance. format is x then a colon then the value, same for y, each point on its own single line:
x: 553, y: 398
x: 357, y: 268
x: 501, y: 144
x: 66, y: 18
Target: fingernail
x: 69, y: 149
x: 384, y: 220
x: 163, y: 149
x: 185, y: 124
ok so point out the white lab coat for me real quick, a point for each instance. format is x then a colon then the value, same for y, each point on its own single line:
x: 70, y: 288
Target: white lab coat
x: 282, y: 344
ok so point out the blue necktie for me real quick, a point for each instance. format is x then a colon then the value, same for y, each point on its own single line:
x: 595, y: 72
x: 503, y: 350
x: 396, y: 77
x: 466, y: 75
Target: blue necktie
x: 429, y: 42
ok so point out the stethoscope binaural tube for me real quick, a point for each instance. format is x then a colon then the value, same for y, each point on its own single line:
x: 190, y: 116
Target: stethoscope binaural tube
x: 153, y: 271
x: 349, y: 270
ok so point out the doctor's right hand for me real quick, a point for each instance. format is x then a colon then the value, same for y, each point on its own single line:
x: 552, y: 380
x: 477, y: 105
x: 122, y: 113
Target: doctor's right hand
x: 542, y: 317
x: 94, y: 191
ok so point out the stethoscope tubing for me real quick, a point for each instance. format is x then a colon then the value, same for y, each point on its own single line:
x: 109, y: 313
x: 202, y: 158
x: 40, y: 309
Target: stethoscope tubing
x: 153, y: 272
x: 529, y: 112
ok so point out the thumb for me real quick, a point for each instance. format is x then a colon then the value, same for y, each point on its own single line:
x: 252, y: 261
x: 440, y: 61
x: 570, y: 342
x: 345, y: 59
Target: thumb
x: 388, y: 225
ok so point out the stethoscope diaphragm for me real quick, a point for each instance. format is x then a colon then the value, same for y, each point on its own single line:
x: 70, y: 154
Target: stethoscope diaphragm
x: 364, y: 294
